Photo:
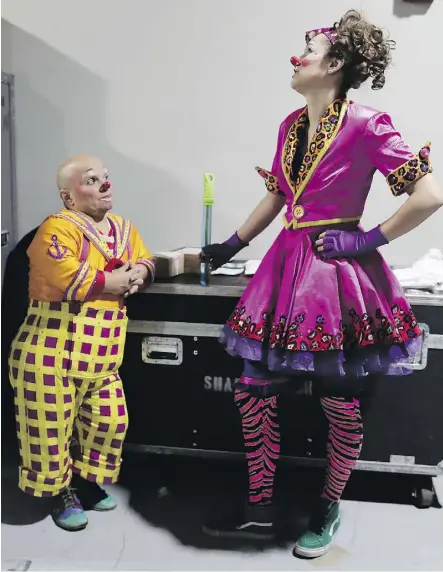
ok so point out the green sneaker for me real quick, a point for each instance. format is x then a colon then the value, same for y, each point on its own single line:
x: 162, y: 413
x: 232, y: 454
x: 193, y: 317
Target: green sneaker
x: 92, y: 496
x: 107, y: 503
x: 68, y: 513
x: 324, y: 525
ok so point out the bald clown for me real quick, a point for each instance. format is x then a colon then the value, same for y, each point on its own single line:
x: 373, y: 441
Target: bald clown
x: 64, y: 361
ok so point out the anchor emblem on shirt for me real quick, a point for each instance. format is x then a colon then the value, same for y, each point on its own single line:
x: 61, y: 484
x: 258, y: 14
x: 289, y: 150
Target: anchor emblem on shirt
x: 56, y: 250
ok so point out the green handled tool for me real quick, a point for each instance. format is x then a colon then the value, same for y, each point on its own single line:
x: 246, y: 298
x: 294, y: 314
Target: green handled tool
x: 208, y: 201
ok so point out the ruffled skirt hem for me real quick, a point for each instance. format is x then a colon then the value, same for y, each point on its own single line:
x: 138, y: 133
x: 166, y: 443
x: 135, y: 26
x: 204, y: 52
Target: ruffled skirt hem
x: 356, y: 362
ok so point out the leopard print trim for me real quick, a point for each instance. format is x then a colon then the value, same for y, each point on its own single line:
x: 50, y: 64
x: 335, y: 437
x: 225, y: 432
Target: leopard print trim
x: 293, y: 137
x: 410, y: 172
x: 323, y: 137
x: 271, y: 181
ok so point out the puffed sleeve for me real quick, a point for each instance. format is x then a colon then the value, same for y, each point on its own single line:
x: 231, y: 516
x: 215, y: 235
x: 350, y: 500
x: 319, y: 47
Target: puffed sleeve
x: 141, y: 254
x: 56, y: 250
x: 271, y: 177
x: 391, y: 156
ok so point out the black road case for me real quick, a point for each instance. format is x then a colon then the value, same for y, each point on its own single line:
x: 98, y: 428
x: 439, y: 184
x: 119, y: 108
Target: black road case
x: 178, y: 382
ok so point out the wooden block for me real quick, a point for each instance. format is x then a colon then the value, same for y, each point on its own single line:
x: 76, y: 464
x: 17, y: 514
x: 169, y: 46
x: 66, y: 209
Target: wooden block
x: 191, y: 259
x: 169, y: 264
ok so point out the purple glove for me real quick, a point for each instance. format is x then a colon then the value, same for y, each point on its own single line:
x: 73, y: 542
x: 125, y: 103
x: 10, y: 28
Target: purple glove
x: 347, y: 244
x: 219, y: 254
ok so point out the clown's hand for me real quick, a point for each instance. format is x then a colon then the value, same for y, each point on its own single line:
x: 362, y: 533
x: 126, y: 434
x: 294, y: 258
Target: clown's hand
x: 138, y: 271
x: 348, y: 244
x: 134, y: 286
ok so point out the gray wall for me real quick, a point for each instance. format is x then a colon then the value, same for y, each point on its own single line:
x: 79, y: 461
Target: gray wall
x: 166, y: 90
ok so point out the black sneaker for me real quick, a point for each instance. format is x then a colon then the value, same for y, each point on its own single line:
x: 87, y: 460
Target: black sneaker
x: 256, y: 522
x: 92, y: 496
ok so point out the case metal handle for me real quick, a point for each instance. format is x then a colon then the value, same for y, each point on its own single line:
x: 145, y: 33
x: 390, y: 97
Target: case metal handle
x: 163, y: 351
x: 430, y: 342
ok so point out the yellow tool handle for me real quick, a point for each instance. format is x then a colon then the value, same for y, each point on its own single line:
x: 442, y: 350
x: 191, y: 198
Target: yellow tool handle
x: 208, y: 189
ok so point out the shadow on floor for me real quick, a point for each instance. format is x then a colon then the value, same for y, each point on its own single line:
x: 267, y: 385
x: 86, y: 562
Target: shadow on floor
x: 179, y: 494
x: 19, y: 509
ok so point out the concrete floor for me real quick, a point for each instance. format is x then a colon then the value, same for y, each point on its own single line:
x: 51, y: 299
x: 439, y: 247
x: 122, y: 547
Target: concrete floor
x: 163, y: 503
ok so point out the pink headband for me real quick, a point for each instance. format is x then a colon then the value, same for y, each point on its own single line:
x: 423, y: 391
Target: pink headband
x: 330, y: 33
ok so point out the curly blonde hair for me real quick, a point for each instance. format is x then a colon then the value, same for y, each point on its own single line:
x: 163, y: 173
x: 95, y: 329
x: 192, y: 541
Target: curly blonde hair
x: 365, y: 50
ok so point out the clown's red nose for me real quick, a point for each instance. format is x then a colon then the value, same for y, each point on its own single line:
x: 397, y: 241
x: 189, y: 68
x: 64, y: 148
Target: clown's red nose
x: 106, y: 185
x: 295, y: 61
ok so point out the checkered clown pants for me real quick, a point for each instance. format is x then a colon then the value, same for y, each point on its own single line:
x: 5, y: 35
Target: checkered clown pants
x: 63, y: 368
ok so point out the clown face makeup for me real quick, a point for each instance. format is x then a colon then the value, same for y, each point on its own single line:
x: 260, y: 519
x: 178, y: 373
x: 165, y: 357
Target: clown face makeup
x: 89, y: 190
x: 312, y: 68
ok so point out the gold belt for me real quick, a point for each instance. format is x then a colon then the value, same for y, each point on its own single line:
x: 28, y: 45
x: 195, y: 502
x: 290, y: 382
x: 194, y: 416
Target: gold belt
x: 299, y: 212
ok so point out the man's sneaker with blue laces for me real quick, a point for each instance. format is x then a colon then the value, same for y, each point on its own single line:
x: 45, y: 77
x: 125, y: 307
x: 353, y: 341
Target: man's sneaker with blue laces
x: 68, y: 513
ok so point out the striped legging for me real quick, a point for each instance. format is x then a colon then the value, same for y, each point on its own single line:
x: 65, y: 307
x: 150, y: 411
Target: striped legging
x: 261, y: 434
